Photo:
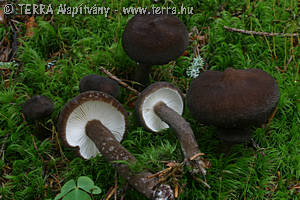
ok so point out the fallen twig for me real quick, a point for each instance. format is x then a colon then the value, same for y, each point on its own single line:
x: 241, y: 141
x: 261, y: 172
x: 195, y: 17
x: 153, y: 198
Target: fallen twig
x: 173, y: 171
x: 272, y: 116
x: 116, y: 185
x: 160, y: 173
x: 110, y: 75
x: 261, y: 33
x: 178, y: 167
x: 111, y: 192
x: 169, y: 172
x: 122, y: 83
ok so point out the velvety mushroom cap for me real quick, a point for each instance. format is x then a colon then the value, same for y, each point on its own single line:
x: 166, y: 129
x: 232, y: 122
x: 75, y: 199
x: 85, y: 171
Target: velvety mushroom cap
x: 155, y: 39
x: 153, y: 94
x: 233, y: 98
x: 88, y: 106
x: 37, y: 107
x: 99, y: 83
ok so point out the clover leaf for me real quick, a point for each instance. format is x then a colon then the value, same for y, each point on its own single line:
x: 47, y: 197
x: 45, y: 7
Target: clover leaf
x: 85, y: 186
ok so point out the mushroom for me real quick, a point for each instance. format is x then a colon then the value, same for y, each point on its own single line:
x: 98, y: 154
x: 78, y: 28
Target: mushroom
x: 159, y: 107
x: 99, y: 83
x: 233, y: 101
x: 153, y: 39
x: 36, y: 109
x: 94, y: 122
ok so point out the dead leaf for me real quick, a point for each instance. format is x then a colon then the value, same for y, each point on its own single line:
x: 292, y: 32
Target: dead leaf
x: 278, y: 174
x: 295, y: 187
x: 131, y: 100
x: 2, y: 18
x: 5, y: 54
x: 196, y: 156
x: 30, y: 24
x: 6, y: 83
x: 5, y: 48
x: 171, y: 164
x: 185, y: 53
x: 176, y: 190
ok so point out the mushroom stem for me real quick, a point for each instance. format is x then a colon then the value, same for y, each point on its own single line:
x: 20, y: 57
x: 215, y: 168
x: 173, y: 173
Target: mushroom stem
x: 184, y: 134
x: 234, y: 135
x: 142, y: 73
x: 113, y: 151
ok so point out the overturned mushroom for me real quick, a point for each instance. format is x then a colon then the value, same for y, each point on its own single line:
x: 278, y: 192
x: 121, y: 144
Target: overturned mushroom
x: 153, y: 39
x: 94, y: 121
x: 88, y: 106
x: 159, y: 106
x: 233, y: 101
x: 99, y: 83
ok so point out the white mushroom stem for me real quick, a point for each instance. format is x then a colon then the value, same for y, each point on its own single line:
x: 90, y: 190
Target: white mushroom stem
x: 184, y: 134
x: 113, y: 151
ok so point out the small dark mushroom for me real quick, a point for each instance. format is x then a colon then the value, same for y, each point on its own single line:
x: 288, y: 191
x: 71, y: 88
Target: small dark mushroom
x: 99, y: 83
x: 37, y: 107
x: 233, y: 101
x: 159, y: 106
x: 153, y: 39
x: 94, y: 122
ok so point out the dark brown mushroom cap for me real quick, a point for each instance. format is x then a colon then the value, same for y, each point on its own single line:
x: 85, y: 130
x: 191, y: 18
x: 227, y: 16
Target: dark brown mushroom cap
x: 37, y: 107
x: 88, y: 106
x: 99, y: 83
x: 155, y: 39
x: 149, y: 97
x: 233, y: 98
